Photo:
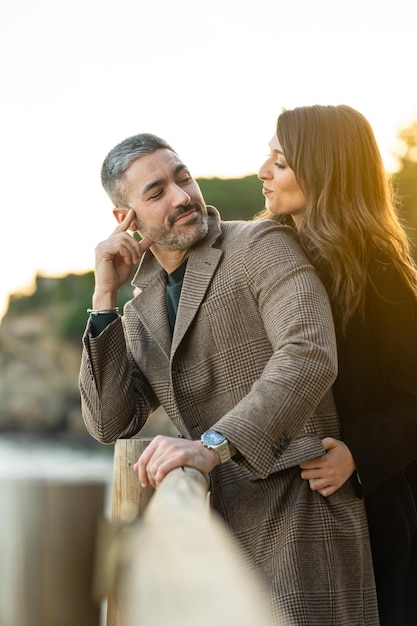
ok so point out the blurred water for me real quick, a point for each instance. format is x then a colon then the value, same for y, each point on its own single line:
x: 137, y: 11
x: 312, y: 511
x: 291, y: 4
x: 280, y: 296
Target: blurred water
x: 29, y: 457
x: 26, y: 457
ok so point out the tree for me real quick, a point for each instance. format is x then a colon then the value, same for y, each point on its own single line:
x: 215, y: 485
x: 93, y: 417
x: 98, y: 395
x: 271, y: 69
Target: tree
x: 405, y: 181
x: 235, y: 198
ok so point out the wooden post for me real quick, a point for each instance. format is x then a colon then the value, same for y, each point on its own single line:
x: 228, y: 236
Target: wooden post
x: 129, y: 500
x: 47, y: 541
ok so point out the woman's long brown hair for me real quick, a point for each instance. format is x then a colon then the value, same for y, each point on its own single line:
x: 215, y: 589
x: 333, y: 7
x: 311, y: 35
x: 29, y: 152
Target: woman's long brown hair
x: 351, y: 216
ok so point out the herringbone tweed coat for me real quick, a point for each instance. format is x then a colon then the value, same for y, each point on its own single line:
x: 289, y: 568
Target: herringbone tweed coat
x: 252, y: 355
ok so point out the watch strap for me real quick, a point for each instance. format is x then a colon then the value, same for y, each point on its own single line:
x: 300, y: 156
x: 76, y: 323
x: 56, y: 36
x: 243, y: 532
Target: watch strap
x: 224, y: 452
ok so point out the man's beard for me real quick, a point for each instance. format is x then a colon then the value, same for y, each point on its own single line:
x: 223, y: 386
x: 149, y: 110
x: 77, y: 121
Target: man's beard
x: 170, y: 239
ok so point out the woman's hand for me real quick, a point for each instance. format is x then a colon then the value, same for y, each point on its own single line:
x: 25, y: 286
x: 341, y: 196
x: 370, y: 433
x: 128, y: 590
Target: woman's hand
x: 327, y: 473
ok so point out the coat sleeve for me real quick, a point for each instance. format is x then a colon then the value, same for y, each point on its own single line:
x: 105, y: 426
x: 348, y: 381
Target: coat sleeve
x: 383, y: 436
x: 116, y: 399
x: 297, y: 317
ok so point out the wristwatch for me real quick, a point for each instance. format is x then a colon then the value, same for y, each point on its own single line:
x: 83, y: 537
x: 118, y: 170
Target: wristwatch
x: 216, y: 441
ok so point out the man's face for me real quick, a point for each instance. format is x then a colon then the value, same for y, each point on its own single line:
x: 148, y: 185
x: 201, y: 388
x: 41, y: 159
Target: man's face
x: 168, y: 203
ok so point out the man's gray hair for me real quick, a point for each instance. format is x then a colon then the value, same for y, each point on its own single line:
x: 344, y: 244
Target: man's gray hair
x: 121, y: 157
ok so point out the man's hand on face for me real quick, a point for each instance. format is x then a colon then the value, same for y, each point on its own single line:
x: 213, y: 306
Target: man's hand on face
x: 114, y: 261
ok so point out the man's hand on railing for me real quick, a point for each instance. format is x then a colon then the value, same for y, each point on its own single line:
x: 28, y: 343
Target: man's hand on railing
x: 164, y: 454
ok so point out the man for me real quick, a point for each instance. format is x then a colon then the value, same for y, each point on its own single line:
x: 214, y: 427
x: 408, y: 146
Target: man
x: 230, y: 330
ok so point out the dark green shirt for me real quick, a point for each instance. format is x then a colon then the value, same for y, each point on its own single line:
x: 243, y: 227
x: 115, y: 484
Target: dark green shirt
x: 173, y: 291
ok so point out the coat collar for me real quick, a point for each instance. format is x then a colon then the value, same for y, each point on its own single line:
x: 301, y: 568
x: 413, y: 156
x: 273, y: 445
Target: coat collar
x: 151, y: 277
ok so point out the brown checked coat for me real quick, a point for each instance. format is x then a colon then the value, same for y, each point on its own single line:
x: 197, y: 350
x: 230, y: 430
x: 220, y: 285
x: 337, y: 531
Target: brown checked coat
x: 252, y: 355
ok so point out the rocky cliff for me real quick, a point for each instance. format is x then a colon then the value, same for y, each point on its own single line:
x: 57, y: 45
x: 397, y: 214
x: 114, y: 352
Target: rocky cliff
x: 40, y: 350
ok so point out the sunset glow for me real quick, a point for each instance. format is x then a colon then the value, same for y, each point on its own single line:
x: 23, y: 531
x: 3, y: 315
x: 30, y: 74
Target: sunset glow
x: 78, y: 78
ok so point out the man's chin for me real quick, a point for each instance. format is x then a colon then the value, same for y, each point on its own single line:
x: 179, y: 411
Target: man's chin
x: 186, y: 236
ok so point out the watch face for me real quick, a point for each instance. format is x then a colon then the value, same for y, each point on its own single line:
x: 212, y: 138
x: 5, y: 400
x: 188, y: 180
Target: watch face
x: 213, y: 438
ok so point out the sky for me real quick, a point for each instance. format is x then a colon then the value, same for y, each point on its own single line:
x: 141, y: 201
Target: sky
x: 210, y: 77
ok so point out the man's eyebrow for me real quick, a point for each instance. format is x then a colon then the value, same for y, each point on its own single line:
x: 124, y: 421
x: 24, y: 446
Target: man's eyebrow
x: 160, y: 181
x: 154, y: 183
x: 180, y: 168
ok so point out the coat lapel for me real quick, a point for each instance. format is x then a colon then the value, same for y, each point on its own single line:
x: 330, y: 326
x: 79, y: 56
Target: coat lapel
x: 151, y: 306
x: 200, y: 269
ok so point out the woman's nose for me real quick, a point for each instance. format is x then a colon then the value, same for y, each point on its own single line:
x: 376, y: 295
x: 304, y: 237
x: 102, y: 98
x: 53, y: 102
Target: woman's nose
x: 262, y: 174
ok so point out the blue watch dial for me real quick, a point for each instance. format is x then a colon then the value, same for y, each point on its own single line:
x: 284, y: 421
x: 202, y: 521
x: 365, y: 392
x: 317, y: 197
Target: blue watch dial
x: 213, y: 438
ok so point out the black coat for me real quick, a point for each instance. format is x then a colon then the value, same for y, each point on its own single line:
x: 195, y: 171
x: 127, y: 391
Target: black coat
x: 376, y: 398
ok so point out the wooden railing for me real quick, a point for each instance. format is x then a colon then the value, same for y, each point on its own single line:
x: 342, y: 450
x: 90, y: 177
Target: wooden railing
x: 168, y: 559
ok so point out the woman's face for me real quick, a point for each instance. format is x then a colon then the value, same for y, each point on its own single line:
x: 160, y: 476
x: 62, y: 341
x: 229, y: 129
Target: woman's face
x: 282, y: 192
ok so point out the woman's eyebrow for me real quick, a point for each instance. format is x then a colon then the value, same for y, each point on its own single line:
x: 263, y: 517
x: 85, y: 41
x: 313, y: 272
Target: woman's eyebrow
x: 275, y: 150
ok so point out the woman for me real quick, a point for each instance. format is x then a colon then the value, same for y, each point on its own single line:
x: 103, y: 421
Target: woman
x: 325, y: 176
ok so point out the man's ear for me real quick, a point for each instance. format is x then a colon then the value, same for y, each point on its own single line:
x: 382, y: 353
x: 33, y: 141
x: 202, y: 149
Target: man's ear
x: 120, y: 213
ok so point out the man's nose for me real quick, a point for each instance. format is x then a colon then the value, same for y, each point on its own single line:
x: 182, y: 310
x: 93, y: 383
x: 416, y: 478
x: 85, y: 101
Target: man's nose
x: 181, y: 197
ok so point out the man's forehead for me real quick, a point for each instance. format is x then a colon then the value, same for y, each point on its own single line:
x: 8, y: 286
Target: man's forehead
x: 158, y: 165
